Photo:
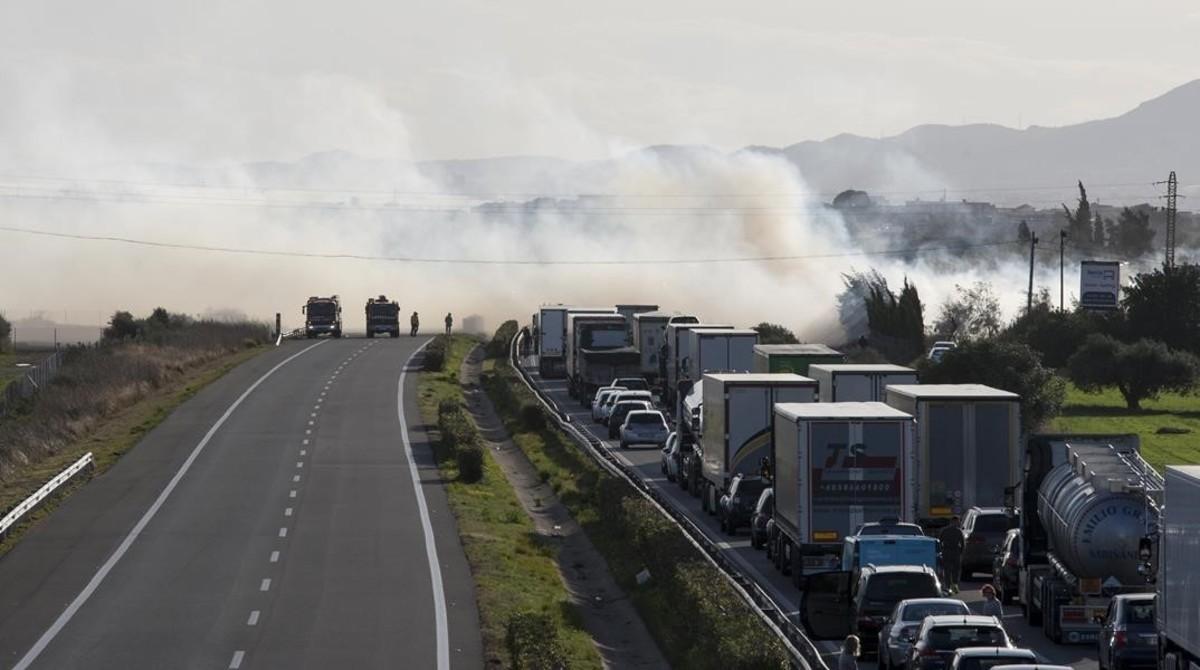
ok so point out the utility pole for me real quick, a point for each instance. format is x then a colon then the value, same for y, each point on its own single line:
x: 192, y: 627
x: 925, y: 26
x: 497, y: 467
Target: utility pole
x: 1032, y: 246
x: 1172, y: 187
x: 1062, y: 249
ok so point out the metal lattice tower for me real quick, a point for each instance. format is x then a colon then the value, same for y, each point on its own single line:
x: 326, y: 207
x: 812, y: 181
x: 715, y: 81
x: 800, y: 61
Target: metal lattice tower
x: 1172, y: 186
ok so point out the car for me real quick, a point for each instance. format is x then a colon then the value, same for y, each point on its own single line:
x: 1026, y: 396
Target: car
x: 691, y: 468
x: 888, y: 527
x: 1031, y: 666
x: 602, y: 396
x: 839, y: 603
x: 939, y: 637
x: 632, y: 383
x: 986, y: 658
x: 736, y: 506
x: 607, y: 407
x: 616, y: 417
x: 1128, y: 638
x: 764, y: 509
x: 1006, y: 567
x: 643, y: 426
x: 893, y: 642
x: 983, y: 529
x: 936, y: 354
x: 945, y: 344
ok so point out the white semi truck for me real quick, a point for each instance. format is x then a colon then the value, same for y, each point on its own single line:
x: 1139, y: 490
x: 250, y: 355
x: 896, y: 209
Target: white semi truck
x: 552, y: 336
x: 1177, y: 611
x: 677, y: 353
x: 846, y: 382
x: 735, y: 431
x: 836, y: 466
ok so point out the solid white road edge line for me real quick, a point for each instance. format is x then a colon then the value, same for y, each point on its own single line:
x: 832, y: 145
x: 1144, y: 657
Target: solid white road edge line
x: 62, y: 620
x: 435, y: 569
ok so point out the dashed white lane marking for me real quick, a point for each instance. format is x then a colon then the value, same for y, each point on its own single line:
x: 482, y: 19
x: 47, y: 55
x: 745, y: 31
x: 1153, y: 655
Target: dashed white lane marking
x: 292, y: 493
x: 312, y: 414
x: 253, y: 620
x: 274, y: 556
x: 310, y: 423
x: 431, y: 557
x: 283, y: 532
x: 299, y: 464
x: 287, y: 512
x: 296, y: 478
x: 236, y: 662
x: 265, y: 585
x: 305, y: 441
x: 308, y: 432
x: 303, y: 452
x: 93, y: 584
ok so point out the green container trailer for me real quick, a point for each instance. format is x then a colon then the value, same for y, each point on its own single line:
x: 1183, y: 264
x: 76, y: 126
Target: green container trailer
x: 793, y: 358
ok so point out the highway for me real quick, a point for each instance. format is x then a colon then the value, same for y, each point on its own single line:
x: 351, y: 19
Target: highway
x: 280, y: 518
x: 646, y: 460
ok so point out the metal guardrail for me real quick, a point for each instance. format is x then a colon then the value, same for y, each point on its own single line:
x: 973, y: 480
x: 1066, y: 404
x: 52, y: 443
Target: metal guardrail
x: 29, y: 504
x: 803, y: 652
x: 32, y: 380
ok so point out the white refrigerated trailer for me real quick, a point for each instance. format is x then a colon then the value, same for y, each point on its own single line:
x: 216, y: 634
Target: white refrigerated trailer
x: 846, y: 382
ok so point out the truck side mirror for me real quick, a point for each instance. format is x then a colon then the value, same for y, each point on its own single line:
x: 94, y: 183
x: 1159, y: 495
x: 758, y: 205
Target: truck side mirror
x: 1145, y: 548
x: 304, y: 309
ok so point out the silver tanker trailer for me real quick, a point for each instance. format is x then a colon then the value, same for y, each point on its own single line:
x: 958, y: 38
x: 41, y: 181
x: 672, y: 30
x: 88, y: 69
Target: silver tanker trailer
x: 1086, y: 503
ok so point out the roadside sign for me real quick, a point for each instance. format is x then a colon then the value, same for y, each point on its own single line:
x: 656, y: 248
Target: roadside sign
x: 1099, y: 284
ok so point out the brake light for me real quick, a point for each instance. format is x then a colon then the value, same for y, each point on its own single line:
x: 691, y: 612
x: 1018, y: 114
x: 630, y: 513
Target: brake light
x: 1119, y: 639
x: 928, y: 651
x: 1011, y: 562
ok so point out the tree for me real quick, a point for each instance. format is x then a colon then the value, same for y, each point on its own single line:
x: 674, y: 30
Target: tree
x: 771, y: 333
x: 1165, y: 306
x: 1079, y: 222
x: 1023, y: 233
x: 5, y: 332
x: 1132, y: 235
x: 973, y: 313
x: 852, y: 199
x: 122, y: 326
x: 1010, y: 366
x: 1053, y: 334
x: 159, y: 318
x: 895, y: 324
x: 1140, y: 371
x: 1098, y: 232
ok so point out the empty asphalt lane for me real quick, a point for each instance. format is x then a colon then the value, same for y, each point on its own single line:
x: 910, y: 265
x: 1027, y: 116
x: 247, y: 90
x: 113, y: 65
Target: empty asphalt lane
x: 293, y: 539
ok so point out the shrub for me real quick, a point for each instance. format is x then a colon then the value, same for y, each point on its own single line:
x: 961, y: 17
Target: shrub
x: 533, y: 644
x: 773, y: 333
x: 1004, y: 365
x: 433, y: 358
x: 5, y: 332
x: 469, y: 457
x: 532, y: 417
x: 498, y: 346
x: 1165, y: 306
x: 1140, y: 370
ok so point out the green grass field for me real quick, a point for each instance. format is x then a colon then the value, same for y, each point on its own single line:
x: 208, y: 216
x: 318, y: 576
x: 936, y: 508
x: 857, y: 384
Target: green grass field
x: 514, y: 569
x: 8, y: 364
x: 1106, y: 413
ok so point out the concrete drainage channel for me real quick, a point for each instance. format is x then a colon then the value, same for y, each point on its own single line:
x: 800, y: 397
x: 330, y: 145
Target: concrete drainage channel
x: 801, y: 649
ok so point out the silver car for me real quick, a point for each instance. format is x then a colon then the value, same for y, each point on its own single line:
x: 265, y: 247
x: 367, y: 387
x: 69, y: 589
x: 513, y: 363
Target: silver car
x: 644, y: 427
x: 614, y: 398
x: 602, y: 395
x: 903, y: 623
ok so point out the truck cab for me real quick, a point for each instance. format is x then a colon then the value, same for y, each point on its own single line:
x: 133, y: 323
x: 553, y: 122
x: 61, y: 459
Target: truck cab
x: 322, y: 316
x: 883, y: 550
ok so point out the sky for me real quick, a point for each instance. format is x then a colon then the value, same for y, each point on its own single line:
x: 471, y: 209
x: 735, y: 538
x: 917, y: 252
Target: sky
x: 226, y: 81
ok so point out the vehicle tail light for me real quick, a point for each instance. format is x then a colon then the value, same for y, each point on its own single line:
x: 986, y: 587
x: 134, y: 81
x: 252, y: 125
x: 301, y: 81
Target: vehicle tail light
x: 1010, y: 562
x: 928, y: 652
x: 1119, y: 639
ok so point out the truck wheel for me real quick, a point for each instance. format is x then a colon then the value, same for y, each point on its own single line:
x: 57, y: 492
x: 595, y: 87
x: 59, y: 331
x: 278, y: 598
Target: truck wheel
x: 370, y: 335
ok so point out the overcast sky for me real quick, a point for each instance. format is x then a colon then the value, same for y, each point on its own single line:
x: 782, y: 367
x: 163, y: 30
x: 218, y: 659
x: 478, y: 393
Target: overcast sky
x: 233, y: 80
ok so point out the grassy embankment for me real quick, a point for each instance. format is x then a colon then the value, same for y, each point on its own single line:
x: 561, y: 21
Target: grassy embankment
x: 694, y: 615
x: 8, y: 364
x: 104, y: 399
x: 1106, y: 413
x: 526, y: 615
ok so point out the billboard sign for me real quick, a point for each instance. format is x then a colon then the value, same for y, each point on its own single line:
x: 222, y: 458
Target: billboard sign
x: 1099, y: 284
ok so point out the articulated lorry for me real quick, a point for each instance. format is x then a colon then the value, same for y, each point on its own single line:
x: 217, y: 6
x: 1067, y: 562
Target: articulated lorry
x: 844, y: 382
x: 322, y: 316
x: 736, y: 429
x: 552, y: 336
x: 1086, y: 502
x: 596, y: 346
x: 676, y: 355
x: 1177, y: 611
x: 794, y: 358
x: 629, y: 311
x: 968, y: 446
x: 648, y: 338
x: 836, y: 466
x: 383, y: 316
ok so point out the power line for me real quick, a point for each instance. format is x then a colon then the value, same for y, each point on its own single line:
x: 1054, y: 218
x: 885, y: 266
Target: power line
x: 498, y: 261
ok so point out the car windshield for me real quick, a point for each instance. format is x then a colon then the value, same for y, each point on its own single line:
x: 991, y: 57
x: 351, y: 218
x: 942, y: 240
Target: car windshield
x: 322, y: 309
x: 948, y: 638
x: 894, y: 587
x: 918, y: 611
x: 993, y: 661
x: 881, y: 529
x: 991, y: 524
x: 1139, y: 611
x: 647, y: 419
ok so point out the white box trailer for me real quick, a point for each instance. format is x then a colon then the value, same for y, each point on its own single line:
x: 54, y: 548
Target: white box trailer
x: 551, y: 330
x: 1177, y: 611
x: 735, y: 431
x: 629, y: 310
x: 845, y: 382
x: 648, y: 337
x: 968, y: 445
x: 677, y: 351
x: 594, y: 332
x: 836, y: 466
x: 716, y: 350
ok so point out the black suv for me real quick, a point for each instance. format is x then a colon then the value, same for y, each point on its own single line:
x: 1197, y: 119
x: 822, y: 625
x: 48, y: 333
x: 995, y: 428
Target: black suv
x: 836, y: 604
x: 735, y: 507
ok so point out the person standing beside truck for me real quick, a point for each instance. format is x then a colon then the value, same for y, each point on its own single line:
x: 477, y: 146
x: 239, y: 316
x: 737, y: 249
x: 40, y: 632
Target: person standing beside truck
x: 415, y: 321
x: 952, y: 541
x: 449, y: 322
x: 848, y: 659
x: 991, y: 606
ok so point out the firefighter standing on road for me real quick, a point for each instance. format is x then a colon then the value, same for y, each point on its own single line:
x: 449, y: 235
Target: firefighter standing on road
x: 416, y: 323
x: 449, y: 322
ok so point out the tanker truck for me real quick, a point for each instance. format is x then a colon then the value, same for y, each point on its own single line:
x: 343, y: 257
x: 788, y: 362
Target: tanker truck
x: 1087, y: 501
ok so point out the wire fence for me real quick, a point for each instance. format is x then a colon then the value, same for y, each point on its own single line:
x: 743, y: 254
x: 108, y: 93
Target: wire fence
x: 32, y: 380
